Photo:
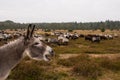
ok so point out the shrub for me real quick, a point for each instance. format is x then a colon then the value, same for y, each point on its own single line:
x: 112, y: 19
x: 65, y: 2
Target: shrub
x: 88, y: 69
x: 27, y: 72
x: 41, y: 63
x: 65, y: 62
x: 102, y: 29
x: 83, y: 65
x: 112, y: 64
x: 70, y: 30
x: 47, y: 30
x: 55, y: 76
x: 35, y: 70
x: 73, y: 60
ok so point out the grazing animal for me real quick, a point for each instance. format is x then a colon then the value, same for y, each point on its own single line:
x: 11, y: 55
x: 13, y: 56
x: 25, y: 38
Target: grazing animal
x: 75, y: 36
x: 2, y: 37
x: 71, y: 36
x: 93, y: 38
x: 52, y: 40
x: 63, y: 40
x: 12, y: 53
x: 106, y: 37
x: 81, y: 35
x: 88, y: 37
x: 41, y: 38
x: 103, y: 37
x: 96, y: 39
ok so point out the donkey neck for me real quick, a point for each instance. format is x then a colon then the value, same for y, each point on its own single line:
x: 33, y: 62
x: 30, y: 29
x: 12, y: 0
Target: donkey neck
x: 12, y: 52
x: 10, y: 55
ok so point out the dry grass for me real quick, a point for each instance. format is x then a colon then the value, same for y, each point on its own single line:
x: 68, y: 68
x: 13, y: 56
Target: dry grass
x: 97, y: 31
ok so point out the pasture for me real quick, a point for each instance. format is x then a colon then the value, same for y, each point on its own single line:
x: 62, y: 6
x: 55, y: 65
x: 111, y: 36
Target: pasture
x: 79, y: 60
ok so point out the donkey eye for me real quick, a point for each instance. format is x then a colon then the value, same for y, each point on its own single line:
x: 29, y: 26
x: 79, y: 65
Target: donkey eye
x: 36, y: 43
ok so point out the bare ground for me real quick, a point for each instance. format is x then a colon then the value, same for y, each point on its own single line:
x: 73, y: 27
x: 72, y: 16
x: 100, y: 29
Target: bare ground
x: 111, y: 56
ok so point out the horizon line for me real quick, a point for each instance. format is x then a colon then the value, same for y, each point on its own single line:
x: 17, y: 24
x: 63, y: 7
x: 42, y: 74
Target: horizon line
x: 58, y: 21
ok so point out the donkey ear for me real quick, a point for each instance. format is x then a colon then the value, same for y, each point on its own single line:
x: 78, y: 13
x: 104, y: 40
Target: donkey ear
x: 28, y: 32
x: 32, y: 31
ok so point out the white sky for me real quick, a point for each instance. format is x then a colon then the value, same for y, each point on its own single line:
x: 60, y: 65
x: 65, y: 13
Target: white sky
x: 59, y: 10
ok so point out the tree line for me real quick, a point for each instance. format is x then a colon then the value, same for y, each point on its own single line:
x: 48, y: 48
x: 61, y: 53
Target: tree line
x: 66, y: 26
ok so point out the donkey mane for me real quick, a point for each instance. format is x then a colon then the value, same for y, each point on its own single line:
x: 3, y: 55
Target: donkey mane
x: 11, y: 43
x: 12, y: 47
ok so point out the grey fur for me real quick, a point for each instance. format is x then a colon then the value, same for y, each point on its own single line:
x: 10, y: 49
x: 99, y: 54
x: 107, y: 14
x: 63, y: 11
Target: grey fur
x: 10, y: 55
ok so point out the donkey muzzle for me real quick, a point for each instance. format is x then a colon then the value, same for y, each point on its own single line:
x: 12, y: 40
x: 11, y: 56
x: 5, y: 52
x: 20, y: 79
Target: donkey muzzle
x: 52, y: 53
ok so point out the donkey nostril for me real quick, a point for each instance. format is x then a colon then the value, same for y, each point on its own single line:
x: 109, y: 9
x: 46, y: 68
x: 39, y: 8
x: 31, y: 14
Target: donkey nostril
x: 52, y: 53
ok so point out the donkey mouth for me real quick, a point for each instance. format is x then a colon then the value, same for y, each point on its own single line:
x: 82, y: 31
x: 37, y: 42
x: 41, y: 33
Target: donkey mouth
x: 48, y: 57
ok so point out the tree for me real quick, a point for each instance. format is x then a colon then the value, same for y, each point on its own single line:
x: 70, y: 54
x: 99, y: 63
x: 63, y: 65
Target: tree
x: 102, y: 29
x: 70, y: 30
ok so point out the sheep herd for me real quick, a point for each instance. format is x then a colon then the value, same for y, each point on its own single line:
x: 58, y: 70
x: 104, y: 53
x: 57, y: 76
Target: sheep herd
x: 61, y: 38
x: 4, y: 36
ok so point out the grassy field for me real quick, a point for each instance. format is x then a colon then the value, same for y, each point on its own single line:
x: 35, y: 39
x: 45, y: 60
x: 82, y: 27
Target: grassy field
x: 79, y: 67
x: 82, y: 46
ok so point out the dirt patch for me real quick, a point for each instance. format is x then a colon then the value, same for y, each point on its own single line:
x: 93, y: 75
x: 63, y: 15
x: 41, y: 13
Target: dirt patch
x: 59, y: 69
x: 83, y: 46
x: 66, y: 56
x: 111, y: 56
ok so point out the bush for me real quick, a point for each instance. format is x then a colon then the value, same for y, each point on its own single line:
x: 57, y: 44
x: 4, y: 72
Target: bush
x: 88, y: 69
x: 55, y: 76
x: 70, y: 30
x: 73, y: 60
x: 102, y: 29
x: 47, y: 30
x: 27, y: 72
x: 112, y: 64
x: 83, y: 65
x: 65, y: 62
x: 35, y: 70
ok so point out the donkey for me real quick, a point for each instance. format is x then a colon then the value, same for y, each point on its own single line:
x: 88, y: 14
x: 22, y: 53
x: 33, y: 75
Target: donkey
x: 12, y: 53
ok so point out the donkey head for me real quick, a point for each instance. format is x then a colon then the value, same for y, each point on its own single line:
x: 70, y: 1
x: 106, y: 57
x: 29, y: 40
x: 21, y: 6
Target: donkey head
x: 36, y: 49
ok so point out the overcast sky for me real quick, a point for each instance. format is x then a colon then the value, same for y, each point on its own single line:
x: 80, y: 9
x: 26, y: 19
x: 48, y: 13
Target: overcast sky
x: 59, y: 10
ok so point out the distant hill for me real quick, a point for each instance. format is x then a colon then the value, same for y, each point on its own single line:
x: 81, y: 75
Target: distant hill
x: 8, y: 21
x: 8, y: 24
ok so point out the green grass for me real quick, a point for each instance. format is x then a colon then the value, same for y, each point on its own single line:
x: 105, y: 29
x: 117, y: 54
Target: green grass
x: 82, y: 46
